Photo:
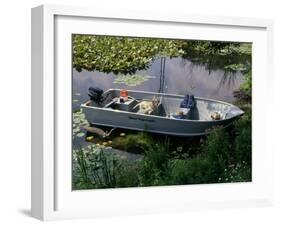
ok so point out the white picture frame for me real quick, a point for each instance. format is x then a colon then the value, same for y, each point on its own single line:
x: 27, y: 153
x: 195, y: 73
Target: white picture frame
x: 52, y: 197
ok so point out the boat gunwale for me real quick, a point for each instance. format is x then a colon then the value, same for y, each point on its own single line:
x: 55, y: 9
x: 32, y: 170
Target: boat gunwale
x: 84, y: 105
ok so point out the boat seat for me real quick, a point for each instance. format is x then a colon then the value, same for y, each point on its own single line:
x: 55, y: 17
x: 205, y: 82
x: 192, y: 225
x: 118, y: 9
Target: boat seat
x: 117, y: 105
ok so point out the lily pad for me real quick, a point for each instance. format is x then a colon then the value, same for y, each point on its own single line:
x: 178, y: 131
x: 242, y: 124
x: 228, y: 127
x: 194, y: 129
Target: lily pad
x: 132, y: 80
x: 81, y: 134
x: 236, y: 67
x: 120, y: 54
x: 76, y: 130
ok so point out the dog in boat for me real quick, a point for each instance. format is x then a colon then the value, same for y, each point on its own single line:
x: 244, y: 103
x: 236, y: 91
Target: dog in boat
x: 147, y: 106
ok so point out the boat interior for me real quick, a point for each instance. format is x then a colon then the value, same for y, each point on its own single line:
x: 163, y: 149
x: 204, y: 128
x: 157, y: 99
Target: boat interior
x: 169, y: 106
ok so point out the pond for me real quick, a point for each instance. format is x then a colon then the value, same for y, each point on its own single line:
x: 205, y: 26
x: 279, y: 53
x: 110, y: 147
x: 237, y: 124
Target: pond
x: 129, y: 158
x: 180, y: 75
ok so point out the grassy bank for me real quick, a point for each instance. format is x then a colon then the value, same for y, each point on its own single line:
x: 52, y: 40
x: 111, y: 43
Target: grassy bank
x: 225, y: 156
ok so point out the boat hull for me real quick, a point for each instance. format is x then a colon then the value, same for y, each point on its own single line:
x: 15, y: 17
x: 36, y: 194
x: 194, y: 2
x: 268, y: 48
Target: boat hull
x: 151, y: 123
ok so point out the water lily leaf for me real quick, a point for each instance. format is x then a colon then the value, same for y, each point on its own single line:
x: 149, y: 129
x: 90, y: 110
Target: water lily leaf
x: 76, y: 120
x: 76, y: 130
x: 236, y: 67
x: 120, y: 54
x: 81, y: 134
x: 132, y: 80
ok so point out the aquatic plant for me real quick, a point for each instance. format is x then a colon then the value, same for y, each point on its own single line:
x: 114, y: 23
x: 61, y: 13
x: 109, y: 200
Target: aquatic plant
x: 223, y: 156
x: 133, y: 143
x: 79, y: 119
x: 80, y: 175
x: 123, y: 55
x: 228, y: 56
x: 96, y: 168
x: 132, y: 80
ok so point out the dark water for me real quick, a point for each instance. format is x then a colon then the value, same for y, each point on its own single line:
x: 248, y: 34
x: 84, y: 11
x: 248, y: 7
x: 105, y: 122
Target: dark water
x: 180, y: 76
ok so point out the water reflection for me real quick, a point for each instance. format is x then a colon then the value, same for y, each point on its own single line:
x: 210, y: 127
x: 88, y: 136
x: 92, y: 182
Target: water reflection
x: 180, y: 76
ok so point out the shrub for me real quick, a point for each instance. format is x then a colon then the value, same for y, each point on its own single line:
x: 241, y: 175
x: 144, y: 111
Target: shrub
x: 154, y: 166
x: 240, y: 172
x: 217, y: 151
x: 243, y: 140
x: 127, y: 175
x: 192, y: 171
x: 221, y: 161
x: 246, y: 88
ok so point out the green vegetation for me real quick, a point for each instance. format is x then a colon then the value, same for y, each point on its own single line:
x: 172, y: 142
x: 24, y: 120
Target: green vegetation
x: 225, y: 157
x: 134, y: 143
x: 244, y: 93
x: 139, y: 142
x: 132, y: 80
x: 125, y: 55
x: 78, y: 121
x: 95, y: 168
x: 119, y: 54
x: 154, y: 167
x: 228, y: 56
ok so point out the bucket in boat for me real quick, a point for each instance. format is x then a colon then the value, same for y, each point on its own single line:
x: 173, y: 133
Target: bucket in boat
x: 124, y: 94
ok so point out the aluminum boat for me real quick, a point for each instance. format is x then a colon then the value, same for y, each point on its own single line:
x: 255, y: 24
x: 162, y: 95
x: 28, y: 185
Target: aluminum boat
x: 168, y: 115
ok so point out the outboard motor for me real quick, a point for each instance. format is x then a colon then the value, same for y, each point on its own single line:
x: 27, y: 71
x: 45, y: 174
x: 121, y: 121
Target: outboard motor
x: 96, y: 95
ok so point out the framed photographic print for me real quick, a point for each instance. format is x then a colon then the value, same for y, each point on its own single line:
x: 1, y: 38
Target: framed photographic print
x: 140, y: 113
